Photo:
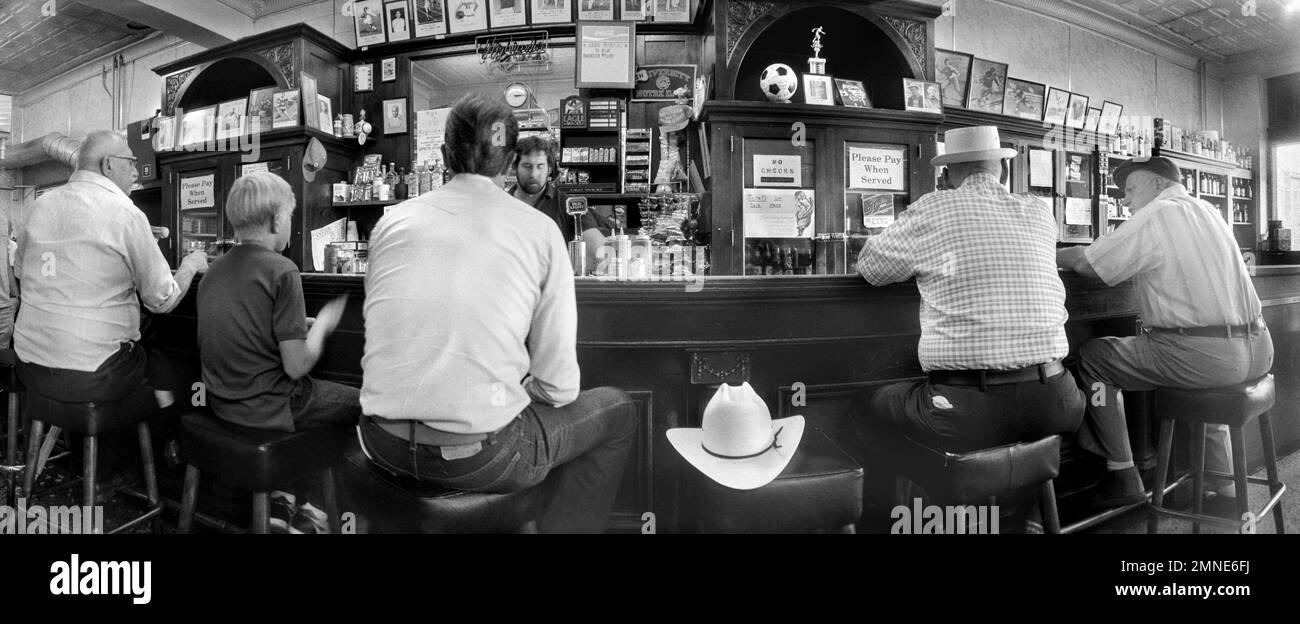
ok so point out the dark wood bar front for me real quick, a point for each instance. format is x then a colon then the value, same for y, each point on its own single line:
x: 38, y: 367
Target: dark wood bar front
x: 806, y: 344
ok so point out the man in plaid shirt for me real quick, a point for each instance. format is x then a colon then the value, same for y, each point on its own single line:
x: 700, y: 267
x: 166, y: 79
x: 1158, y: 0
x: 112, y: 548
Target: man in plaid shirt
x: 992, y: 310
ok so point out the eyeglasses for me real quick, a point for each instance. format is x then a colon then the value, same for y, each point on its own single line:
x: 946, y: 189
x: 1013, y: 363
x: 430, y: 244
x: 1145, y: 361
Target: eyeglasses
x: 133, y: 159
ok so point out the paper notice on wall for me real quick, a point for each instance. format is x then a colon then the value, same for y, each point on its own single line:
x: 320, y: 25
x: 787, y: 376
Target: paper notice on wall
x: 778, y: 170
x: 877, y: 211
x: 321, y: 237
x: 877, y: 167
x: 430, y: 126
x: 198, y: 192
x: 1040, y: 168
x: 779, y: 213
x: 1078, y: 211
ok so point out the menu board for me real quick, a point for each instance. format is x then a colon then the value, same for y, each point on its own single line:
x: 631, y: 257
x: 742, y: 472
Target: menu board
x: 606, y: 56
x: 876, y: 167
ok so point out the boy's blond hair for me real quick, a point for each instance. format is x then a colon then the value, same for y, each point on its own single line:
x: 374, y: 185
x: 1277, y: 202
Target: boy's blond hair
x: 256, y: 199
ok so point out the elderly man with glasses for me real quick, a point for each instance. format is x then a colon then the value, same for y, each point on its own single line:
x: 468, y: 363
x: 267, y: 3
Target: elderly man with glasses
x: 86, y: 261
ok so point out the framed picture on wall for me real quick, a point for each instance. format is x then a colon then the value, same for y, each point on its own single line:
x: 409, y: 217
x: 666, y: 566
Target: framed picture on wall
x: 164, y: 135
x: 1024, y: 99
x: 595, y: 10
x: 852, y: 93
x: 1093, y: 120
x: 260, y: 109
x: 395, y: 116
x: 198, y: 125
x: 988, y: 83
x: 230, y: 118
x: 430, y: 18
x: 552, y: 11
x: 325, y: 112
x: 368, y: 22
x: 363, y: 78
x: 466, y: 16
x: 508, y: 13
x: 606, y: 55
x: 1109, y: 122
x: 818, y: 89
x: 310, y: 112
x: 1058, y: 104
x: 953, y: 71
x: 1078, y: 112
x: 398, y: 14
x: 634, y: 10
x: 388, y: 69
x: 922, y: 95
x: 286, y: 107
x: 672, y: 10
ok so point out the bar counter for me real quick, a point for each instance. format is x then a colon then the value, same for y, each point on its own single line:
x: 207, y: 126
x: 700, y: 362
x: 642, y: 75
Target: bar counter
x: 806, y: 344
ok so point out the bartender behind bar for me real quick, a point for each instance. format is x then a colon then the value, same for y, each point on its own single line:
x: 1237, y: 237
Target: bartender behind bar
x: 535, y: 171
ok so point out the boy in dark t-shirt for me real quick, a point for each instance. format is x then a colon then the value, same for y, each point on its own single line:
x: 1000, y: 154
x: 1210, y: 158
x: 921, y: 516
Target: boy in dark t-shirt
x: 254, y: 337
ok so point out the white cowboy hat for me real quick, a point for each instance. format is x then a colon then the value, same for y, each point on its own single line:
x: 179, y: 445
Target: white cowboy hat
x: 970, y: 145
x: 738, y: 444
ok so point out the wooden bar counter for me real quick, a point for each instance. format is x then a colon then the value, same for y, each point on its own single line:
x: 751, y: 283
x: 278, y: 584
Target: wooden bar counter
x: 807, y: 344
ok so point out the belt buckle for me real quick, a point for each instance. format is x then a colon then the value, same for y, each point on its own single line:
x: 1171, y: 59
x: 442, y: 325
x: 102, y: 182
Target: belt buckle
x: 460, y: 451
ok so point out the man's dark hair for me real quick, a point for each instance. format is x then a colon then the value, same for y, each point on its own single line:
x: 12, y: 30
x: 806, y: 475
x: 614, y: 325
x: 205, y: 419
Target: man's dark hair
x: 480, y: 136
x: 530, y: 144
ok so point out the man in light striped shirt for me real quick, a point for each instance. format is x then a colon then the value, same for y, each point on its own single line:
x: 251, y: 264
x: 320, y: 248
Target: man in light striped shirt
x: 992, y: 310
x: 1198, y: 305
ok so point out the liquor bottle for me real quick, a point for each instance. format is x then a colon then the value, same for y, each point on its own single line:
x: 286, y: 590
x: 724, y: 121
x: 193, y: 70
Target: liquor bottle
x: 412, y: 182
x: 401, y: 188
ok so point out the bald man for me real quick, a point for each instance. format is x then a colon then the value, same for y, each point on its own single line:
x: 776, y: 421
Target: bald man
x: 86, y: 261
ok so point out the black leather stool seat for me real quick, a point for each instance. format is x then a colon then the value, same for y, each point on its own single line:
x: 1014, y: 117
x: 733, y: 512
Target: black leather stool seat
x: 257, y: 459
x: 92, y: 419
x: 1233, y: 405
x: 395, y: 504
x: 821, y: 488
x: 974, y: 476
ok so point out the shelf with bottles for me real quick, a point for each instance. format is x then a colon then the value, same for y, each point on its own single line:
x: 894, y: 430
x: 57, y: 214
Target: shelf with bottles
x: 1242, y: 188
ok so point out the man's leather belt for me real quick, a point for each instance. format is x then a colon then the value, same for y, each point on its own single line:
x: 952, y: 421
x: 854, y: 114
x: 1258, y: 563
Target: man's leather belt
x: 1037, y: 372
x: 1214, y: 331
x: 424, y: 435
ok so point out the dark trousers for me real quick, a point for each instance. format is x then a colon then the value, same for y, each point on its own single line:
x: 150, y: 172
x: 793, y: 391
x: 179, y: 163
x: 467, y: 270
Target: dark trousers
x: 959, y: 418
x: 132, y: 369
x: 580, y: 449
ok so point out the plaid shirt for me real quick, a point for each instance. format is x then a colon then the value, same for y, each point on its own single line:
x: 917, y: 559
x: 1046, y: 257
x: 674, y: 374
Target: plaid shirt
x: 985, y: 263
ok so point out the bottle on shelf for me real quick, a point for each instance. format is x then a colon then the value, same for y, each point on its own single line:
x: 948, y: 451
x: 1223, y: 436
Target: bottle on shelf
x: 412, y: 183
x: 400, y: 189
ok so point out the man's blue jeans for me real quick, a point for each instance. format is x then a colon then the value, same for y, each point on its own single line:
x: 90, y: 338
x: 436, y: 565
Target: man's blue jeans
x: 585, y: 444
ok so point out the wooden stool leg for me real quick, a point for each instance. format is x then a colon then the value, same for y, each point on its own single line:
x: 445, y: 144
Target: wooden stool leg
x: 1270, y: 465
x: 331, y: 500
x: 1047, y: 507
x: 90, y: 460
x: 1162, y: 473
x: 189, y: 498
x: 34, y: 430
x: 261, y: 513
x: 1239, y: 471
x: 1198, y: 472
x: 149, y: 473
x: 11, y: 444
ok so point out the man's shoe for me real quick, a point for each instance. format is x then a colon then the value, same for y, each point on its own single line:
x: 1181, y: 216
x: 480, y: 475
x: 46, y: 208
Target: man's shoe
x: 1119, y: 488
x: 282, y: 513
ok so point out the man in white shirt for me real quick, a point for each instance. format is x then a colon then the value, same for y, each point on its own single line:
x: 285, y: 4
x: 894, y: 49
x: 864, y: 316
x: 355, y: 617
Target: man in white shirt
x: 86, y: 261
x: 1201, y: 314
x: 470, y: 370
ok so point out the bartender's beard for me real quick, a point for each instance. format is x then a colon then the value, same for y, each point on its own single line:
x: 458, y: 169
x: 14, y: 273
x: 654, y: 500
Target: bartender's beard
x: 532, y: 187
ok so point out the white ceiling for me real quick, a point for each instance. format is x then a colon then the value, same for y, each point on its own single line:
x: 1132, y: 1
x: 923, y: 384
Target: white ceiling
x: 1210, y: 29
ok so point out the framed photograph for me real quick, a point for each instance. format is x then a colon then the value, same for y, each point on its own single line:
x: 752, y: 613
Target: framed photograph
x: 1093, y: 120
x: 852, y: 93
x: 606, y: 55
x: 922, y: 95
x: 326, y: 113
x: 230, y: 118
x: 818, y: 89
x: 311, y: 115
x: 388, y: 70
x: 363, y: 78
x: 552, y: 11
x: 164, y: 136
x: 1058, y: 103
x: 430, y: 18
x: 1109, y: 122
x: 672, y: 10
x: 395, y: 116
x: 988, y: 83
x: 508, y: 13
x: 198, y: 125
x: 286, y: 107
x: 398, y: 15
x: 634, y: 10
x: 466, y: 16
x: 953, y: 71
x: 660, y: 83
x: 1078, y: 111
x: 1024, y: 99
x: 368, y: 20
x: 260, y: 109
x: 595, y: 10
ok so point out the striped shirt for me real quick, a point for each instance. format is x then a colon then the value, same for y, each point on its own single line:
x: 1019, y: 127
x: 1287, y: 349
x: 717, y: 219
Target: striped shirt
x: 985, y: 264
x: 1183, y: 258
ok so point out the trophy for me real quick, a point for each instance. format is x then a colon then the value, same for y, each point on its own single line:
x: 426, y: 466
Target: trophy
x: 817, y: 64
x: 577, y: 206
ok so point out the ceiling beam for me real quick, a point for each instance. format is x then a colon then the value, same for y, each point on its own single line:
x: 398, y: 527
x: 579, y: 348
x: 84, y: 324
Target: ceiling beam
x: 203, y: 22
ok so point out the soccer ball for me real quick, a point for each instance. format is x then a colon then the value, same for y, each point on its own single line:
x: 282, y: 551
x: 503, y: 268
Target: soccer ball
x: 779, y: 82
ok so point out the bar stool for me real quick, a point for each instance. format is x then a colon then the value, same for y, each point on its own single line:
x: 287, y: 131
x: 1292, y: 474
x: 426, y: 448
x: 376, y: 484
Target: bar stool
x: 9, y: 384
x: 90, y: 420
x: 1235, y: 406
x: 978, y: 476
x: 257, y: 460
x: 819, y: 490
x: 389, y: 503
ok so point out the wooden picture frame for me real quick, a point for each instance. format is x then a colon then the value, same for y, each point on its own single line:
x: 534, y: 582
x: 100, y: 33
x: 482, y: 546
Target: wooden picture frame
x: 1091, y: 123
x: 164, y: 135
x: 363, y: 78
x: 1110, y: 114
x: 368, y: 22
x: 395, y: 117
x: 1078, y: 111
x: 325, y: 113
x: 605, y: 55
x: 287, y: 111
x: 595, y: 10
x: 261, y: 109
x: 430, y: 18
x: 1056, y: 106
x: 988, y: 84
x: 922, y: 96
x: 678, y: 11
x: 465, y: 16
x: 507, y: 14
x: 551, y: 12
x: 397, y: 16
x: 198, y: 126
x: 853, y: 93
x: 232, y: 119
x: 388, y: 69
x: 818, y: 89
x: 952, y: 70
x: 1024, y: 99
x: 635, y: 10
x: 310, y: 110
